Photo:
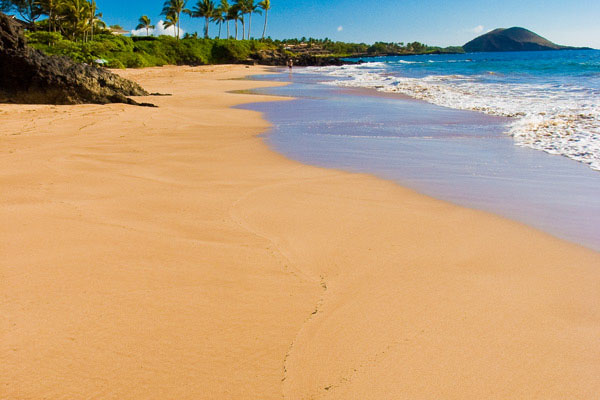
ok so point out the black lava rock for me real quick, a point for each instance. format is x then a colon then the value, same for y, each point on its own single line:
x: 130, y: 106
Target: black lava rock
x: 29, y: 76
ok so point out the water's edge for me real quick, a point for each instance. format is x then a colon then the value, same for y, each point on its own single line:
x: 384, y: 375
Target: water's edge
x: 457, y: 156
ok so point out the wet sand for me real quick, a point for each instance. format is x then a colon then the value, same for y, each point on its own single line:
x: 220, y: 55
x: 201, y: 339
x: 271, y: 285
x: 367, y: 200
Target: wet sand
x: 168, y: 253
x: 463, y: 157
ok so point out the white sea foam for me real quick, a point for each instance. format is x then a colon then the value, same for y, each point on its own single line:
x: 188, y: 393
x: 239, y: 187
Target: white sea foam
x: 555, y: 119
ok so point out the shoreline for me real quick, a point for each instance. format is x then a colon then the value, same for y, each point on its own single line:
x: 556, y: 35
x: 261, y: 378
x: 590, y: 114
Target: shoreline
x: 169, y: 253
x: 472, y: 163
x: 552, y: 126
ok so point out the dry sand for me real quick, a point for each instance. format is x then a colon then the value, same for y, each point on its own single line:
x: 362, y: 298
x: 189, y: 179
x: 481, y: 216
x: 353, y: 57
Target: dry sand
x: 169, y: 254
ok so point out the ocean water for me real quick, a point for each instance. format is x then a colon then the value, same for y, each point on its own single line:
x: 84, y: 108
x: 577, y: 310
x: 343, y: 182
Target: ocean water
x: 553, y: 97
x: 463, y: 156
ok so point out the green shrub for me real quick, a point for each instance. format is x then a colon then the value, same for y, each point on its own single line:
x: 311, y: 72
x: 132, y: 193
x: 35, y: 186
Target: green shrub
x: 194, y: 51
x: 45, y: 38
x: 115, y: 64
x: 139, y: 52
x: 228, y: 50
x: 116, y: 42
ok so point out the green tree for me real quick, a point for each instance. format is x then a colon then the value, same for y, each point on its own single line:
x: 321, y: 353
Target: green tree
x: 266, y: 6
x: 51, y: 8
x: 75, y: 18
x: 234, y: 15
x: 95, y: 18
x: 252, y: 8
x: 204, y: 9
x: 174, y: 8
x: 145, y: 23
x: 218, y: 18
x: 249, y: 7
x: 172, y: 20
x: 29, y: 10
x: 223, y: 9
x: 242, y: 7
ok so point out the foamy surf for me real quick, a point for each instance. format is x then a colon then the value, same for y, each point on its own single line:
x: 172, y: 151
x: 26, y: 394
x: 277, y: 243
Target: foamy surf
x: 555, y: 117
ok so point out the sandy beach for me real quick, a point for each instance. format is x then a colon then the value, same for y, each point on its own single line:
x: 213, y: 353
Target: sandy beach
x: 168, y: 253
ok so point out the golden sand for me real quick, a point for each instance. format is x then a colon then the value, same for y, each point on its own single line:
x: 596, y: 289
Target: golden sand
x: 168, y: 254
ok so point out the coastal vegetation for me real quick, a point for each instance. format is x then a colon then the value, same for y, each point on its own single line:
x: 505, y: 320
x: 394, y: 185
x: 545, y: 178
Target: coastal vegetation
x: 77, y: 20
x: 75, y: 28
x: 138, y: 52
x: 172, y: 10
x: 145, y: 23
x: 117, y: 51
x: 343, y: 49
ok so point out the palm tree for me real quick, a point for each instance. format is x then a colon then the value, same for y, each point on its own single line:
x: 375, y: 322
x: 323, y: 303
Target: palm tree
x: 145, y: 23
x: 266, y: 6
x: 76, y: 12
x: 251, y: 7
x: 218, y: 18
x: 94, y: 17
x: 96, y: 22
x: 171, y: 20
x: 241, y: 6
x: 174, y: 8
x: 223, y: 9
x: 234, y: 15
x: 204, y: 9
x: 75, y: 19
x: 52, y: 9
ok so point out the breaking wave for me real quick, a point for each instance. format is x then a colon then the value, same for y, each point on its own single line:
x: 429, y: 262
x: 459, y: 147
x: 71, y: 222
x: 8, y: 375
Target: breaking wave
x: 555, y: 117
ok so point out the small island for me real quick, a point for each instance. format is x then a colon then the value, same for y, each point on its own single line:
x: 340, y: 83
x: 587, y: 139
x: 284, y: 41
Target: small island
x: 512, y: 39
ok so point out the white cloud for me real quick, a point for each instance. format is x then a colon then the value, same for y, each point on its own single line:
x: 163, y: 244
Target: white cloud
x: 159, y: 30
x: 340, y: 28
x: 477, y: 29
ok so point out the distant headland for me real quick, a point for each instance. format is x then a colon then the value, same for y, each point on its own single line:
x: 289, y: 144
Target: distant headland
x: 513, y: 39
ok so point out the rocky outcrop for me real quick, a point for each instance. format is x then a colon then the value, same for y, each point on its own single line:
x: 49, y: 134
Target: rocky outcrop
x: 280, y: 58
x: 308, y: 60
x: 29, y: 76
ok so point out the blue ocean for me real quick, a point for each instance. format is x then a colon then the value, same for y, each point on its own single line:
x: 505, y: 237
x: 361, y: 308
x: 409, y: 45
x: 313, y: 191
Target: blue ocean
x: 516, y: 134
x: 552, y: 96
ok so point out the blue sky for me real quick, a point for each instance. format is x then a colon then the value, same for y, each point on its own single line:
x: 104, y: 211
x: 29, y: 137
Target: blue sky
x: 435, y: 22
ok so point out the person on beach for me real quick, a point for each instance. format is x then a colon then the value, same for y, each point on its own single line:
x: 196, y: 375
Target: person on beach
x: 290, y: 63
